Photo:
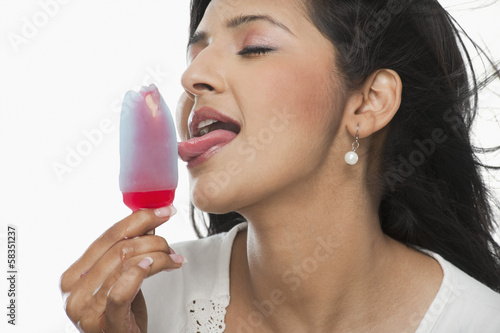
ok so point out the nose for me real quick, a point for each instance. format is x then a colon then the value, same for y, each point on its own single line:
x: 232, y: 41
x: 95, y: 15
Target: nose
x: 204, y: 75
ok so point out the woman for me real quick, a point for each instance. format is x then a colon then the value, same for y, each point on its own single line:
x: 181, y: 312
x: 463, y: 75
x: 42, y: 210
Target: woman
x: 329, y: 141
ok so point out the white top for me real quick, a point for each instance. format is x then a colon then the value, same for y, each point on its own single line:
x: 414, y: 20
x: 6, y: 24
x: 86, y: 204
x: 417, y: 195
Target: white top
x: 194, y: 298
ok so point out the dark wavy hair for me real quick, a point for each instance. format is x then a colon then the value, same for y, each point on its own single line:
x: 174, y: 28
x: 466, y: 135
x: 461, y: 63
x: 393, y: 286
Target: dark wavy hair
x: 433, y: 195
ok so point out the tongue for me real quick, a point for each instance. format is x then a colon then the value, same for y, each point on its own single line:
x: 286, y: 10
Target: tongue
x: 195, y: 147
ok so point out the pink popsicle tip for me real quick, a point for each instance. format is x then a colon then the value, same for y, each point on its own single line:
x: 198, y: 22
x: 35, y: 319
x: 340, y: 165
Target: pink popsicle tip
x: 151, y: 104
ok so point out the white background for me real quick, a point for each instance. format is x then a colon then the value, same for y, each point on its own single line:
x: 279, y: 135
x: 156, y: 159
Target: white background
x: 65, y: 79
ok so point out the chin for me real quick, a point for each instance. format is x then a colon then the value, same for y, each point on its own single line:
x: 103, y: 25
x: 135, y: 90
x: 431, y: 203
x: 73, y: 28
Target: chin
x: 211, y: 200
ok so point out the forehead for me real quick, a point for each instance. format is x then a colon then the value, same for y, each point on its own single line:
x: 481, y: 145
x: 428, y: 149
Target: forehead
x: 219, y: 11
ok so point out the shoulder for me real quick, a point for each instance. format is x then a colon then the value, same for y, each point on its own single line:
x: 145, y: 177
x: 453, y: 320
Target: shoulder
x: 204, y: 277
x: 462, y: 304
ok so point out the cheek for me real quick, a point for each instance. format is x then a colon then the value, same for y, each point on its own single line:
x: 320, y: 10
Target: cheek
x: 290, y: 116
x: 304, y: 93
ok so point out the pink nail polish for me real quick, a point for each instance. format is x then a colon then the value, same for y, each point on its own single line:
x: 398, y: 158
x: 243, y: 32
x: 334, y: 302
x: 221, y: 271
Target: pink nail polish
x: 165, y: 212
x: 146, y: 262
x: 178, y: 259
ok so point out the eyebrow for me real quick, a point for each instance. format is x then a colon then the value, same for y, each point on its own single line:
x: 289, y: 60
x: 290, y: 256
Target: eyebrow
x: 236, y: 22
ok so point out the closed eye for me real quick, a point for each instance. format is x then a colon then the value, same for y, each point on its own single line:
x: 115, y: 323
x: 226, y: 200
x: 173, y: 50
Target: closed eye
x: 255, y: 50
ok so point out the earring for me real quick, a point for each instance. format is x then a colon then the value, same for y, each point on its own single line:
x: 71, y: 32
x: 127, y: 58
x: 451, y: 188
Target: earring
x: 351, y: 157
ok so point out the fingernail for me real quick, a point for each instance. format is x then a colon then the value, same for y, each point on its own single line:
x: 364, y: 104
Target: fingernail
x: 165, y: 212
x: 146, y: 262
x: 172, y: 251
x: 178, y: 259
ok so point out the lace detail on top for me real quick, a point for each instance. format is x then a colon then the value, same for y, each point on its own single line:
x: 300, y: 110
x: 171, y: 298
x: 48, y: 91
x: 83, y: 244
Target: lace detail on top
x: 207, y: 316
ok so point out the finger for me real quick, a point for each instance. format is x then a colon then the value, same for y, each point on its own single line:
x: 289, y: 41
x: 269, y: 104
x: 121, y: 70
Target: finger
x: 118, y: 254
x: 93, y: 316
x: 137, y: 224
x: 87, y: 306
x: 162, y: 262
x: 118, y: 317
x: 108, y: 270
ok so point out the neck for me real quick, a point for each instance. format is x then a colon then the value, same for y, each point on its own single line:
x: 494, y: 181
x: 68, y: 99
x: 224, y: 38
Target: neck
x: 312, y: 261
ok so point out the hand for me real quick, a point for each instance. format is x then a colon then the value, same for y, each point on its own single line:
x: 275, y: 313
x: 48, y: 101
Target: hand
x: 102, y: 288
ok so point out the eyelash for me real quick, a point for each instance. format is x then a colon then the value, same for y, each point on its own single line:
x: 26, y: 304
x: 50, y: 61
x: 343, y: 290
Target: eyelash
x: 255, y: 50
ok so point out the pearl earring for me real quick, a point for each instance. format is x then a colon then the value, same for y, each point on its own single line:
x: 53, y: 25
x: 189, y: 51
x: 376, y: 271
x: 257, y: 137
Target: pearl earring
x: 351, y: 157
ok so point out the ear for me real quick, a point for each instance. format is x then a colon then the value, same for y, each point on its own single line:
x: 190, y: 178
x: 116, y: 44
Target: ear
x: 375, y: 104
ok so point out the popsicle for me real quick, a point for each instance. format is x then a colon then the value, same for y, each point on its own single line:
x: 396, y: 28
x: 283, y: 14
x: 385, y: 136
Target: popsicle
x: 148, y: 150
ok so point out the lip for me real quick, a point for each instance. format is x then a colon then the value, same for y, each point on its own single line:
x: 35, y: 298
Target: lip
x: 199, y: 149
x: 206, y: 113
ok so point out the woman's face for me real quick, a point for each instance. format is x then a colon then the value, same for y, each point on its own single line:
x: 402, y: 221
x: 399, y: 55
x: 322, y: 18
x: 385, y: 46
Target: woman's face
x: 266, y: 74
